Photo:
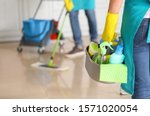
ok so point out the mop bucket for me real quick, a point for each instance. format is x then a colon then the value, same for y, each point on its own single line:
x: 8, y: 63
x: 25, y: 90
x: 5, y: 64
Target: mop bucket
x: 36, y: 29
x: 106, y: 73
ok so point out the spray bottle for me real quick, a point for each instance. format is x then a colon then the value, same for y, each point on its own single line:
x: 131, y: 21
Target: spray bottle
x: 102, y: 50
x: 117, y: 57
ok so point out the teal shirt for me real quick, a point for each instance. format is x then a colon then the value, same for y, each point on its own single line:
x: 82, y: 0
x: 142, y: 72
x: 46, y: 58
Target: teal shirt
x: 83, y: 4
x: 134, y: 12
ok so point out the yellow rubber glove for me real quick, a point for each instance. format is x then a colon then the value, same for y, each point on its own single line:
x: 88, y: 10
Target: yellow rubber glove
x: 110, y: 27
x: 69, y: 5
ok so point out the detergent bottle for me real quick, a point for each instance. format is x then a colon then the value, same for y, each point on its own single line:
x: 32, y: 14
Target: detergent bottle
x: 93, y: 48
x: 106, y: 59
x: 97, y: 57
x: 117, y: 57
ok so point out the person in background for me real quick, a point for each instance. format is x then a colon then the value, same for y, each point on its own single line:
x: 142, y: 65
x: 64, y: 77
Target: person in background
x: 89, y: 7
x: 135, y: 33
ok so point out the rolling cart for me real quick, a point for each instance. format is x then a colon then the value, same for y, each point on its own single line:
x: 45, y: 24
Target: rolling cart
x: 38, y: 33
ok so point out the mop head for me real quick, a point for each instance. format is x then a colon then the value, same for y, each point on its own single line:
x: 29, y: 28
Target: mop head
x: 40, y: 65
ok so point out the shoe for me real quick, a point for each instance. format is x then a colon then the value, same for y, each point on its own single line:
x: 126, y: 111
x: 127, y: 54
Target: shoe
x: 77, y: 51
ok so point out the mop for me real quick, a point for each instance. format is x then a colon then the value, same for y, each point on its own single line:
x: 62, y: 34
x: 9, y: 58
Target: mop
x: 51, y: 65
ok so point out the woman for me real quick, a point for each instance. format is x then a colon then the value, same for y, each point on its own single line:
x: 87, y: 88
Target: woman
x: 136, y: 37
x: 89, y: 7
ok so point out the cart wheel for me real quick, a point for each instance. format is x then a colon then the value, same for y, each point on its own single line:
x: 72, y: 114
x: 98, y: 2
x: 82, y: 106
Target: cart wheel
x: 41, y: 50
x: 19, y: 49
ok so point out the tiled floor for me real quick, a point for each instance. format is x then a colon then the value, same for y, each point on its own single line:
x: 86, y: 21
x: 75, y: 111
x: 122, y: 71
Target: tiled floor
x: 19, y: 80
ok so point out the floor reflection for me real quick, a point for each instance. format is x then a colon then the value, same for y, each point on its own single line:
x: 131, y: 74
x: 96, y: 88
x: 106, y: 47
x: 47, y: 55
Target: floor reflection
x: 19, y: 80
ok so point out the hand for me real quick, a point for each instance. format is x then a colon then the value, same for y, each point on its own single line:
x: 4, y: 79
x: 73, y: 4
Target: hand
x: 110, y: 27
x: 114, y: 41
x: 69, y: 5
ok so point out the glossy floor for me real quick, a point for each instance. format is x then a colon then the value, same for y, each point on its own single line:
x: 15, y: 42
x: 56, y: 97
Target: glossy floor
x: 19, y: 80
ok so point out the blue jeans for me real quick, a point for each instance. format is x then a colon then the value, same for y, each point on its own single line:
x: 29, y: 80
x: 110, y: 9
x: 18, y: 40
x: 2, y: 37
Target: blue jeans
x: 77, y: 36
x: 142, y: 62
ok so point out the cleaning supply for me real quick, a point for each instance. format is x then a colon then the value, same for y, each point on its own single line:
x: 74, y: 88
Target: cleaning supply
x: 117, y: 57
x: 102, y: 50
x: 110, y: 27
x: 35, y: 32
x: 51, y: 65
x: 115, y: 41
x: 97, y: 57
x: 106, y: 59
x: 55, y: 31
x: 93, y: 48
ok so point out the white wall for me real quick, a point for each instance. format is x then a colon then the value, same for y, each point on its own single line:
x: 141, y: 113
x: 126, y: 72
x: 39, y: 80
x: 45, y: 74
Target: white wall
x: 9, y: 18
x: 14, y: 11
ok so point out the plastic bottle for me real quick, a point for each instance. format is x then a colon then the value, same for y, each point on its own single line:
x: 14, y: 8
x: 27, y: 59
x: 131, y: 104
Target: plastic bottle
x: 99, y: 57
x: 93, y: 48
x: 117, y: 57
x: 106, y: 59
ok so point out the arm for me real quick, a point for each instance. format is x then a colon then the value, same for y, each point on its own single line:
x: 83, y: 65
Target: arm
x: 112, y: 20
x: 115, y: 5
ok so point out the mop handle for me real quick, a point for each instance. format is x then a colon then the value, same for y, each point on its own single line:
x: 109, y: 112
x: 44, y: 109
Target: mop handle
x: 38, y: 7
x: 61, y: 13
x: 58, y: 38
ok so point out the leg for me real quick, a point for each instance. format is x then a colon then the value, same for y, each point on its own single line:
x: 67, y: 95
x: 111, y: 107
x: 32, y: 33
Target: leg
x: 141, y: 62
x: 78, y: 48
x: 92, y: 24
x: 75, y: 27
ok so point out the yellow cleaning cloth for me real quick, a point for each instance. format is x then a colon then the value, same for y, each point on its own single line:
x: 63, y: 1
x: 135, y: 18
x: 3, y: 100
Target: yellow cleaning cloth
x: 110, y: 27
x: 69, y: 5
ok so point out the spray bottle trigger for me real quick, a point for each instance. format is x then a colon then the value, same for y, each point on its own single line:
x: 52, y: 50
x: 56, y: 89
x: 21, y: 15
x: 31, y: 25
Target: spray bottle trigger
x: 103, y: 46
x: 109, y: 45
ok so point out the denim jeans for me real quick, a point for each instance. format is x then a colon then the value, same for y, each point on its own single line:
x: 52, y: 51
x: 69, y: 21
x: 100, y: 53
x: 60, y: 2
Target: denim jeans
x: 77, y: 36
x: 141, y: 53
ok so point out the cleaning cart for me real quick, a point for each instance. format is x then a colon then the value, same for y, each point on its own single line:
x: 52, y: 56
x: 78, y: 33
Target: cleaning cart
x: 38, y: 33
